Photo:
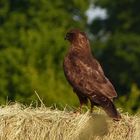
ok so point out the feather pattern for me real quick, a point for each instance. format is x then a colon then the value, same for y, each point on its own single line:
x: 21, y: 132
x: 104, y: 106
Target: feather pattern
x: 86, y: 76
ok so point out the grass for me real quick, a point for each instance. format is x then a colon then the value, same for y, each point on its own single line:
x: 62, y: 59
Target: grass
x: 18, y: 122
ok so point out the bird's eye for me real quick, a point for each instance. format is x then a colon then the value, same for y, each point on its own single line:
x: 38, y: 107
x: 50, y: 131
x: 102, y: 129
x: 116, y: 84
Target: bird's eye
x: 71, y: 34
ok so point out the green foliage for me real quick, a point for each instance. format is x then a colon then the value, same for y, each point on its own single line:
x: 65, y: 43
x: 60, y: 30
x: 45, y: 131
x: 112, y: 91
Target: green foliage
x: 32, y: 48
x: 132, y: 101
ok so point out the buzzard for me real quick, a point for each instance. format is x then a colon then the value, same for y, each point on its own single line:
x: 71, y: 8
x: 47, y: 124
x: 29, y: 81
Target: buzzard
x: 85, y: 75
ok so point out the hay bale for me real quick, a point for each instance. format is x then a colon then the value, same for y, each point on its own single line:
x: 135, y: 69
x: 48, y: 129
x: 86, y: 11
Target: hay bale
x: 18, y: 122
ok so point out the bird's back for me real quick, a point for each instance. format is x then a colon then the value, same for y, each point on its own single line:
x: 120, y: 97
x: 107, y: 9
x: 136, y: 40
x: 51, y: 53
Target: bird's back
x: 86, y: 74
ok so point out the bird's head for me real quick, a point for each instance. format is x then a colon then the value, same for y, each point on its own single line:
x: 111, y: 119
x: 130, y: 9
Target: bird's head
x: 76, y: 36
x: 79, y: 42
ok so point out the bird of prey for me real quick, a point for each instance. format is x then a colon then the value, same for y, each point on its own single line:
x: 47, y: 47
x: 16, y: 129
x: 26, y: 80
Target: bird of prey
x: 85, y: 75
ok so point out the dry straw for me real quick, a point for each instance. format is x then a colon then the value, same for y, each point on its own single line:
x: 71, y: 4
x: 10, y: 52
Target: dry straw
x: 18, y: 122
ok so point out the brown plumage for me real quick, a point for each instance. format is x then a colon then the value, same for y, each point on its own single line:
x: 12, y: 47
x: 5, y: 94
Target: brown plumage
x: 86, y: 76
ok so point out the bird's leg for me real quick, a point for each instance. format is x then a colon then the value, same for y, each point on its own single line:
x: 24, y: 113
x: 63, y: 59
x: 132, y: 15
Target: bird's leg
x: 82, y: 99
x: 92, y: 105
x: 80, y: 107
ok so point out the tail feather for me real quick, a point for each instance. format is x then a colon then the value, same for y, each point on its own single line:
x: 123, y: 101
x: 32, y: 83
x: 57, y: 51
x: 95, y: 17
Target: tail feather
x: 111, y: 110
x: 107, y: 106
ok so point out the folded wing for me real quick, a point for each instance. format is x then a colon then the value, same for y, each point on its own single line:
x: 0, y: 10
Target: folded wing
x: 91, y: 79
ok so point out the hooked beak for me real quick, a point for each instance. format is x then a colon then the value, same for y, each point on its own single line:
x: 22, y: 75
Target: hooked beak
x: 67, y: 36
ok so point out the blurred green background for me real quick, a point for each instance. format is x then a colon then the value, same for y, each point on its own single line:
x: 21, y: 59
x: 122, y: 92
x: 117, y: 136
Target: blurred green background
x: 32, y: 48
